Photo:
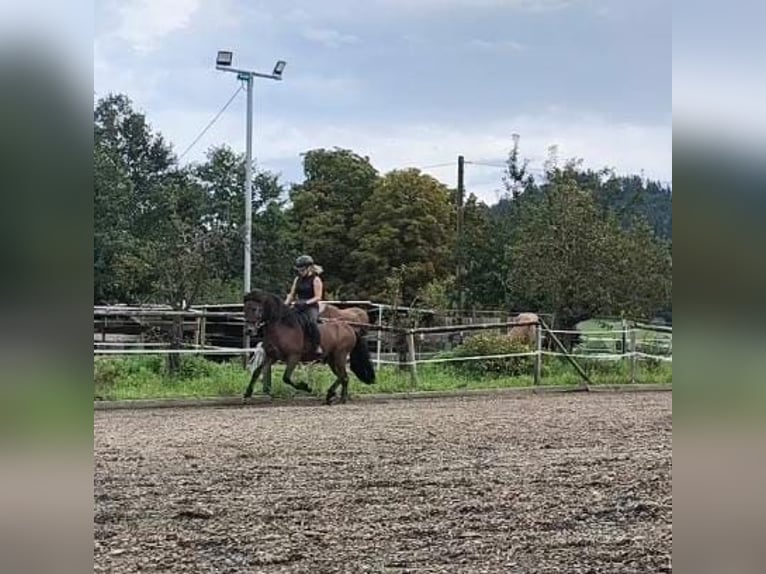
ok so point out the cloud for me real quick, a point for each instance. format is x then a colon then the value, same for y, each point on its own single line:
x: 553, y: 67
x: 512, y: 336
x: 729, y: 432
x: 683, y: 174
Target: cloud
x: 495, y: 45
x: 327, y: 88
x: 628, y: 148
x: 527, y: 5
x: 144, y: 23
x: 329, y: 37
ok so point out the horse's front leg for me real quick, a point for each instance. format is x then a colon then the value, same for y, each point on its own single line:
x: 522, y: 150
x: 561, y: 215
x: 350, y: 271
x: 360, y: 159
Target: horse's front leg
x: 292, y: 362
x: 256, y: 373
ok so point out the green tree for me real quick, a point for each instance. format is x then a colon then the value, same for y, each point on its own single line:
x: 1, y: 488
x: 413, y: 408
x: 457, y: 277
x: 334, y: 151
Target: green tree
x: 130, y: 163
x: 274, y: 235
x: 516, y: 177
x: 407, y: 222
x: 325, y: 207
x: 222, y: 176
x: 570, y: 257
x: 157, y: 229
x: 484, y: 245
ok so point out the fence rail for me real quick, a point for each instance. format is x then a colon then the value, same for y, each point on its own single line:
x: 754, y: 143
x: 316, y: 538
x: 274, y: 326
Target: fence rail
x: 617, y: 344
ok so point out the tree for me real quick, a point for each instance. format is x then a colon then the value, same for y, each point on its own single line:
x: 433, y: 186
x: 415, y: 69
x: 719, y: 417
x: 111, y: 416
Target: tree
x: 326, y: 206
x: 222, y: 176
x: 484, y: 243
x: 130, y: 162
x: 407, y: 223
x: 515, y: 178
x: 569, y: 257
x: 274, y: 235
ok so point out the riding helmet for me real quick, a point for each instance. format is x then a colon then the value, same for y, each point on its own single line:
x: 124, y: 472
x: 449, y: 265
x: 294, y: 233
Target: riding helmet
x: 304, y: 261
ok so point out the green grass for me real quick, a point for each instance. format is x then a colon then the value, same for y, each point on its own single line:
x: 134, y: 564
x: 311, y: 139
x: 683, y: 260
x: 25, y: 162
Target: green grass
x: 146, y: 377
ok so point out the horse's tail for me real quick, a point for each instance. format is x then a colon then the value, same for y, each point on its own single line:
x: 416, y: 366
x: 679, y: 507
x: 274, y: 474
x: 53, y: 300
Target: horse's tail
x: 361, y: 365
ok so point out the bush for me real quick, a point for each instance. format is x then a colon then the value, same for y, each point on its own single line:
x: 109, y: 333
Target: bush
x: 492, y: 344
x: 109, y: 370
x: 119, y: 370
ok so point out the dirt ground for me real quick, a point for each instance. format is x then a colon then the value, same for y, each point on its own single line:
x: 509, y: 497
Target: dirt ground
x: 553, y: 483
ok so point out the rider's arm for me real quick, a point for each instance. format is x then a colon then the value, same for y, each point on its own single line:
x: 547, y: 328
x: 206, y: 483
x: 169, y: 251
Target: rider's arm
x: 291, y: 295
x: 317, y: 292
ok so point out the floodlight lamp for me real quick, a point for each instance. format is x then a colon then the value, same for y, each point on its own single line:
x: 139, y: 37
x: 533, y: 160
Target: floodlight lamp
x: 224, y: 58
x: 279, y: 67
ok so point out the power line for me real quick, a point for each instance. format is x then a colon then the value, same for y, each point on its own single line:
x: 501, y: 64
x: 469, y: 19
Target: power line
x: 210, y: 124
x: 448, y: 164
x: 486, y: 164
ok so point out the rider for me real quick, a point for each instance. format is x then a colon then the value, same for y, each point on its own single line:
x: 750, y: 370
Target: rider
x: 305, y: 294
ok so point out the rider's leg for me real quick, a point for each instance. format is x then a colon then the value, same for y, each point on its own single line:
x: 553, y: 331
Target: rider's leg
x: 313, y: 315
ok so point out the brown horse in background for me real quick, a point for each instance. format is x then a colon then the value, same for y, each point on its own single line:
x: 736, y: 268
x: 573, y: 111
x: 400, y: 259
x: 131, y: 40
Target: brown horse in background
x: 526, y: 334
x: 352, y: 314
x: 284, y: 339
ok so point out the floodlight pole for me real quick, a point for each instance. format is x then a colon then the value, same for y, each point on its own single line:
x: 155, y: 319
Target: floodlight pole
x: 248, y: 76
x: 249, y: 184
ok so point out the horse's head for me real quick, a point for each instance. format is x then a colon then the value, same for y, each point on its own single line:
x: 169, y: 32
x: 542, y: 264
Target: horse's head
x: 253, y: 306
x: 262, y: 307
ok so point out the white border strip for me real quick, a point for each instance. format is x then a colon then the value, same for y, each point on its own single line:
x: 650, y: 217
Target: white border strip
x: 200, y: 351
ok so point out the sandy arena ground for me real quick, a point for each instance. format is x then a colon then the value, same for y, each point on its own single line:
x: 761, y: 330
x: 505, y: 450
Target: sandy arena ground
x: 552, y: 483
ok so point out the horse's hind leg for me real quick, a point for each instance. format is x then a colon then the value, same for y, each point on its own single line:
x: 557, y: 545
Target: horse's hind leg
x: 344, y: 389
x: 337, y: 366
x: 331, y: 392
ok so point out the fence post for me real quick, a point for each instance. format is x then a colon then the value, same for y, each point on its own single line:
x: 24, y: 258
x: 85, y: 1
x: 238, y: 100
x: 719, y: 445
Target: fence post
x: 380, y: 335
x: 539, y: 356
x: 411, y: 358
x: 624, y: 348
x: 633, y: 358
x: 245, y: 344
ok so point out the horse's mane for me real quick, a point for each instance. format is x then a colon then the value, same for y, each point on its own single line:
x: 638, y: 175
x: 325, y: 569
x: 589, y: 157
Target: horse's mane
x: 274, y: 310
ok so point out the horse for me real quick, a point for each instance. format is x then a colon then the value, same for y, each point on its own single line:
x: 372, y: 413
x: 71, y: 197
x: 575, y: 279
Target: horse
x: 352, y: 314
x: 526, y: 334
x: 284, y: 339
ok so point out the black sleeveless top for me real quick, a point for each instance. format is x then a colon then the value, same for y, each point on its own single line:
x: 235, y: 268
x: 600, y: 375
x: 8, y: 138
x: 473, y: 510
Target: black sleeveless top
x: 304, y: 288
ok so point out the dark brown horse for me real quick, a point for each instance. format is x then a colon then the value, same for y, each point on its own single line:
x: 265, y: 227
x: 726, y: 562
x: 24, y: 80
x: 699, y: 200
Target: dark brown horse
x: 284, y: 339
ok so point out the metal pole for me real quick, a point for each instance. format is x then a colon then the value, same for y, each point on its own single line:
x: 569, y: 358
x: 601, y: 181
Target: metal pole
x: 460, y: 230
x: 249, y: 183
x: 412, y: 361
x: 633, y: 358
x: 539, y: 355
x: 380, y: 333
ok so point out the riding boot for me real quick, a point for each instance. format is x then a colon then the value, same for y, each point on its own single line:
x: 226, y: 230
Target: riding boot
x: 315, y: 338
x: 312, y: 315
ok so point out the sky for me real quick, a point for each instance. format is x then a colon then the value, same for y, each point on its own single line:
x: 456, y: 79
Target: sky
x: 408, y: 83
